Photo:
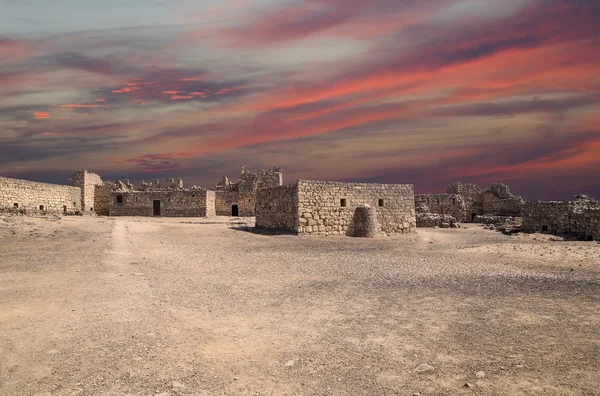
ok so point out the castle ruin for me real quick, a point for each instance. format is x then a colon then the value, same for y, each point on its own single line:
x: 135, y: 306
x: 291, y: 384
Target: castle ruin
x: 306, y: 207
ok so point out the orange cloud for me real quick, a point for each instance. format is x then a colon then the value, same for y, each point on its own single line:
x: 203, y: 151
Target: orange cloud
x: 178, y: 97
x: 84, y: 106
x: 41, y: 115
x: 50, y: 134
x: 171, y: 92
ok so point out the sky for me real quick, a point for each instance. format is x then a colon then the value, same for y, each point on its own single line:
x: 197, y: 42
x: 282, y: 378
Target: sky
x: 424, y: 92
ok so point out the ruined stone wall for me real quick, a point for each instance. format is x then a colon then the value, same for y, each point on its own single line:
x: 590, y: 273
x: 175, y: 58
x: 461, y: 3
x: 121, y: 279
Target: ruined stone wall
x: 35, y: 197
x: 187, y: 203
x: 443, y: 204
x: 103, y: 198
x: 277, y: 208
x: 243, y: 192
x: 547, y: 216
x: 224, y: 200
x: 87, y: 181
x: 327, y: 208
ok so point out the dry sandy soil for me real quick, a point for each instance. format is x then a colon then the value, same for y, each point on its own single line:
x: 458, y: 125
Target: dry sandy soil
x: 144, y: 306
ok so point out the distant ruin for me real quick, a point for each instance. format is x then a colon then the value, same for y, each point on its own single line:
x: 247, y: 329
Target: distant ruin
x: 306, y: 207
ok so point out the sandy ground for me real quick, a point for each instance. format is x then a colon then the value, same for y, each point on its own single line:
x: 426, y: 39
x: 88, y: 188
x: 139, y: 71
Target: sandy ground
x: 144, y: 306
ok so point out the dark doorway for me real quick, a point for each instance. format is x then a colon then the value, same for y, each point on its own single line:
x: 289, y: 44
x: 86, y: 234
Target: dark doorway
x: 590, y: 238
x: 234, y: 210
x: 473, y: 216
x: 156, y: 207
x: 545, y: 228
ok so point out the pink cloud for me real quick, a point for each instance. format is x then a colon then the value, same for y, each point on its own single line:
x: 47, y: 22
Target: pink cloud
x: 39, y: 115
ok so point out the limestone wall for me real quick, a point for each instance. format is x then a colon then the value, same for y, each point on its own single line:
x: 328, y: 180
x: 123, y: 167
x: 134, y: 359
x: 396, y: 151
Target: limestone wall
x: 277, y: 208
x: 224, y: 200
x: 103, y: 198
x: 443, y: 204
x: 546, y: 216
x: 187, y: 203
x: 327, y: 208
x: 87, y: 182
x: 35, y: 197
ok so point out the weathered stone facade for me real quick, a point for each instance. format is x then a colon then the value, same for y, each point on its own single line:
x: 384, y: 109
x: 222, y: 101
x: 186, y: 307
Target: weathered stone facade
x: 239, y: 198
x: 34, y: 197
x: 87, y: 182
x: 580, y: 218
x: 327, y: 208
x: 277, y: 208
x: 465, y: 201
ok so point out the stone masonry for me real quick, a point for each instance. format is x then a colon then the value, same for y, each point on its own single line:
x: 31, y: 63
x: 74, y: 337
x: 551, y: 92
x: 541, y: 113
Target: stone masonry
x: 87, y: 182
x: 328, y: 208
x: 33, y: 197
x: 580, y: 218
x: 239, y: 198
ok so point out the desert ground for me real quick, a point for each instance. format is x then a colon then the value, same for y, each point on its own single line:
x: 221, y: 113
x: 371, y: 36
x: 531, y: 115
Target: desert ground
x: 164, y: 306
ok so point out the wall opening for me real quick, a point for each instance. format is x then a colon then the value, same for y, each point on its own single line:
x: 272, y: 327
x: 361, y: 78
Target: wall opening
x: 473, y: 215
x: 380, y: 202
x: 65, y: 208
x: 234, y: 210
x: 343, y: 202
x: 589, y: 238
x: 74, y: 203
x: 41, y: 207
x: 91, y: 209
x: 119, y: 198
x: 545, y: 228
x: 156, y: 207
x: 16, y: 205
x: 438, y: 201
x: 453, y: 201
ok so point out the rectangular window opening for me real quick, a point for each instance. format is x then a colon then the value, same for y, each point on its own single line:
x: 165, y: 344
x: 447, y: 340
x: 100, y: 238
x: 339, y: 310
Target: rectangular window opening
x: 381, y: 202
x: 119, y: 198
x: 91, y: 209
x: 16, y: 205
x: 41, y: 207
x: 65, y: 208
x: 343, y: 202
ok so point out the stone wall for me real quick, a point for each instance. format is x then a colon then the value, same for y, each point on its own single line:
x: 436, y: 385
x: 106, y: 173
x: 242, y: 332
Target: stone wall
x: 35, y: 197
x: 277, y: 208
x: 87, y: 182
x: 103, y: 198
x: 224, y: 200
x: 546, y: 216
x: 243, y: 192
x: 580, y: 218
x: 327, y: 208
x: 443, y: 204
x: 186, y: 203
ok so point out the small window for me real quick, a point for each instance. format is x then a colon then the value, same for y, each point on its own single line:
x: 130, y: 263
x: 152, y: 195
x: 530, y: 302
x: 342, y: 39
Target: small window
x: 169, y: 199
x: 438, y: 201
x: 343, y: 202
x: 193, y: 195
x: 41, y: 207
x: 453, y: 201
x: 380, y: 202
x: 65, y: 208
x: 136, y: 199
x: 119, y: 198
x: 91, y: 209
x: 74, y: 203
x: 16, y: 205
x: 545, y: 228
x: 427, y: 201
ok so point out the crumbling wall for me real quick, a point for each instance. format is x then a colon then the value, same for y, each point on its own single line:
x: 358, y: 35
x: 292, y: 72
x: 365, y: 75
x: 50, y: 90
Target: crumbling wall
x: 35, y: 197
x: 87, y: 181
x: 547, y: 216
x: 161, y: 184
x: 443, y: 204
x: 277, y: 208
x: 243, y: 192
x: 580, y: 218
x: 176, y: 203
x: 327, y: 208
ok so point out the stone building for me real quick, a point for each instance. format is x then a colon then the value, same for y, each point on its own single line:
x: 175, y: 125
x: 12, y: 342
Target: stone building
x: 334, y: 208
x: 466, y: 201
x: 166, y: 197
x: 580, y: 217
x: 239, y: 198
